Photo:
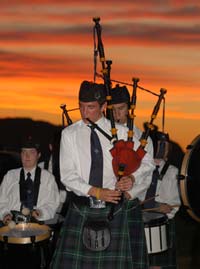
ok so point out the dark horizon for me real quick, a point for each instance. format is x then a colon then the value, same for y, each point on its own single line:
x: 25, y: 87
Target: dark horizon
x: 13, y: 130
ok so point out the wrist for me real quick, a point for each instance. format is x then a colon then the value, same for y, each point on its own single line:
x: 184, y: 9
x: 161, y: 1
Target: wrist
x: 95, y: 192
x: 98, y: 190
x: 127, y: 195
x: 132, y: 178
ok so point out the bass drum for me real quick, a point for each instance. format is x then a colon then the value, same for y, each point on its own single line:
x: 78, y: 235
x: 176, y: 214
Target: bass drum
x: 190, y: 179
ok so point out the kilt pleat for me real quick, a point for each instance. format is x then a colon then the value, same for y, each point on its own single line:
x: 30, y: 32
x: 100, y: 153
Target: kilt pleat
x: 127, y: 249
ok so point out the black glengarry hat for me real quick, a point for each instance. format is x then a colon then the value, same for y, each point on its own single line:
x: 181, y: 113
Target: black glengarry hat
x: 90, y: 92
x: 30, y: 142
x: 120, y: 94
x: 161, y: 145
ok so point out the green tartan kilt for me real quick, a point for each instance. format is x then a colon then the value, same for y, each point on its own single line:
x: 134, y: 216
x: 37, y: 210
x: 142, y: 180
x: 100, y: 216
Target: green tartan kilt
x: 127, y: 249
x: 166, y: 259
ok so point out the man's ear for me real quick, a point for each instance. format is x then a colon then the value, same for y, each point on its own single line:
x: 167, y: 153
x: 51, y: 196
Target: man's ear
x: 39, y: 155
x: 103, y: 107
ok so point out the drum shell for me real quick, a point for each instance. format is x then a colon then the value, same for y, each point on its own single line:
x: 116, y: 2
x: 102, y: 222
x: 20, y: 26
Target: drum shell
x: 7, y: 234
x: 26, y: 252
x: 189, y: 179
x: 156, y: 231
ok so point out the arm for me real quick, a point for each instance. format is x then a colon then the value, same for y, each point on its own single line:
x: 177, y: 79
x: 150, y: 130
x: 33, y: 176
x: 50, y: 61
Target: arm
x: 4, y: 198
x: 142, y: 178
x: 169, y: 197
x: 48, y: 199
x: 69, y: 166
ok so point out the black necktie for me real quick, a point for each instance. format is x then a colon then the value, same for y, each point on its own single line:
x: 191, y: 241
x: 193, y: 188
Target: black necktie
x: 151, y: 192
x: 96, y: 170
x: 29, y: 192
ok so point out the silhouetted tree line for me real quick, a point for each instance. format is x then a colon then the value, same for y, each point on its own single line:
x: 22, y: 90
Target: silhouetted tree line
x: 13, y: 131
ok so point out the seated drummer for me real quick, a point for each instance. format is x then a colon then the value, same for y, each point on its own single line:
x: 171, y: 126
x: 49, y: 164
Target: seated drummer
x: 166, y: 199
x: 29, y: 190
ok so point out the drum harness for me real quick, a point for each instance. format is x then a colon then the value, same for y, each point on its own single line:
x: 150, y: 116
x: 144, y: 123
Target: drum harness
x: 22, y: 189
x: 164, y: 170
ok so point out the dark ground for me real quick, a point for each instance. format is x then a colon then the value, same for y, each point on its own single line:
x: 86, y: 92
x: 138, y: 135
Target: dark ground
x: 188, y: 241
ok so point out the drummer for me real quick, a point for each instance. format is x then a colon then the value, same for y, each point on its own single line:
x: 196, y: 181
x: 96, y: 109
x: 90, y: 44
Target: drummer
x: 168, y: 192
x: 28, y: 191
x: 164, y: 189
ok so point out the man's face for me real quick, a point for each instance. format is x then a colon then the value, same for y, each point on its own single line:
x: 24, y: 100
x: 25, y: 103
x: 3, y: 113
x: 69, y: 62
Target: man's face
x: 120, y: 112
x: 29, y: 157
x: 91, y: 110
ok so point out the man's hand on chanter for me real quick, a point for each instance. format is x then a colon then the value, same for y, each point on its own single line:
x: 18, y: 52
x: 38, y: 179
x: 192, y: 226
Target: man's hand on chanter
x: 125, y: 183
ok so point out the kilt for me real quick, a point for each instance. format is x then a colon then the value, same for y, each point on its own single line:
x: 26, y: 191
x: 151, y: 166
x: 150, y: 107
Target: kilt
x: 166, y: 259
x: 126, y: 250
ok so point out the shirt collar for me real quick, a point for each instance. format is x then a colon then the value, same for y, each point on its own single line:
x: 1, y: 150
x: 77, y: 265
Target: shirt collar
x: 98, y: 122
x: 32, y: 171
x: 160, y: 163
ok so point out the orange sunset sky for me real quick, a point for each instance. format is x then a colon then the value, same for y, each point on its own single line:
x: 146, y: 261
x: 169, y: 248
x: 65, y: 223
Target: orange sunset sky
x: 47, y: 50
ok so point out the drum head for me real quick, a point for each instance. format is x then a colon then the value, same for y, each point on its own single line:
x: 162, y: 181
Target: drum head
x: 154, y: 218
x: 24, y: 233
x: 190, y: 179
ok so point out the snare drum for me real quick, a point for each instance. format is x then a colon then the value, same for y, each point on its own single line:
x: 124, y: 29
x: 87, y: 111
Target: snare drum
x: 156, y: 231
x: 26, y: 245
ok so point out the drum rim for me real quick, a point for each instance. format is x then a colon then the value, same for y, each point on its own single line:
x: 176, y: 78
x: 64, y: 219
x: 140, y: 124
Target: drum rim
x: 25, y: 240
x: 184, y: 177
x: 163, y: 220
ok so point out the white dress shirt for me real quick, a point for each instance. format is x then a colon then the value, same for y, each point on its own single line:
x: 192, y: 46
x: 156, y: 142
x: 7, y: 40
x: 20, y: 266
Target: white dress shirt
x: 50, y: 165
x: 167, y: 189
x: 75, y: 159
x: 48, y: 197
x: 62, y: 193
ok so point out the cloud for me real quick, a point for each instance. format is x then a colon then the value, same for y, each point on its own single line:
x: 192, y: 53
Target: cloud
x: 149, y: 23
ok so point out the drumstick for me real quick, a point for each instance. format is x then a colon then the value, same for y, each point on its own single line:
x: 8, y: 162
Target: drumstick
x: 145, y: 201
x: 157, y: 208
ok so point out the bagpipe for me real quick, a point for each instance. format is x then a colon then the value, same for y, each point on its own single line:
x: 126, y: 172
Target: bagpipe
x: 125, y: 159
x: 65, y: 115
